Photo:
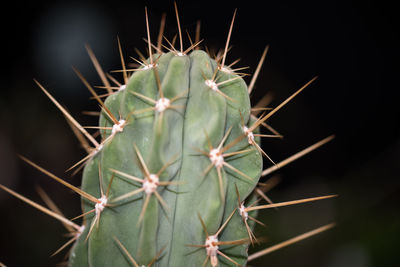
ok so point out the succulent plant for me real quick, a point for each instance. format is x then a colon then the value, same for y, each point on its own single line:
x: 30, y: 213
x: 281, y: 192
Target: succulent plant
x: 174, y: 179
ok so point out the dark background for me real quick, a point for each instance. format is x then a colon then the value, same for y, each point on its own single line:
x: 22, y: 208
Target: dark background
x: 353, y: 48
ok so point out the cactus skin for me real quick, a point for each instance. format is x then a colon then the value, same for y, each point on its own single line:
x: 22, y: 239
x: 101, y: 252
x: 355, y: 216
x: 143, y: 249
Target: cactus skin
x: 203, y: 115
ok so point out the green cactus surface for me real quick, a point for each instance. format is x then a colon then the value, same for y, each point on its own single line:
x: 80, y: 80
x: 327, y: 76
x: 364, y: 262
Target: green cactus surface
x: 172, y: 165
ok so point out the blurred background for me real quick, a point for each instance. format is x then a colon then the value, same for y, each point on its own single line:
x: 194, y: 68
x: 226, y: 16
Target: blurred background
x: 351, y: 45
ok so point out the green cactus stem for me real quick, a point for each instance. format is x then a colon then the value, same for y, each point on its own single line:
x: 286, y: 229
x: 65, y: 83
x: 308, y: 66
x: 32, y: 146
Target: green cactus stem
x: 172, y: 180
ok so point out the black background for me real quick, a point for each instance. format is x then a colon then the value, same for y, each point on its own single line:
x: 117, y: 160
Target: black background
x: 353, y: 48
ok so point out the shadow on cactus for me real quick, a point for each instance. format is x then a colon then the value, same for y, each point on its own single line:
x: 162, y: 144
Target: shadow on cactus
x: 173, y: 178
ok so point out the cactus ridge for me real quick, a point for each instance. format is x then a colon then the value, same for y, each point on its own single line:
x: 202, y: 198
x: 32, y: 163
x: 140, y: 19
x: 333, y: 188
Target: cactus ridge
x: 173, y: 180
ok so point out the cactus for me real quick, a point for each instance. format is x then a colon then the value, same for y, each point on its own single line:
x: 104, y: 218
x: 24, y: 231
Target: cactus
x: 173, y: 181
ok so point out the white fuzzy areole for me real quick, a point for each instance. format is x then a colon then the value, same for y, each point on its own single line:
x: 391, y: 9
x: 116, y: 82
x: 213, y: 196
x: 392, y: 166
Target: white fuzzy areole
x: 216, y: 157
x: 80, y: 231
x: 243, y: 212
x: 162, y: 104
x: 117, y: 128
x: 226, y: 70
x: 249, y: 134
x: 212, y: 85
x: 99, y: 207
x: 150, y: 184
x: 212, y: 248
x: 149, y: 66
